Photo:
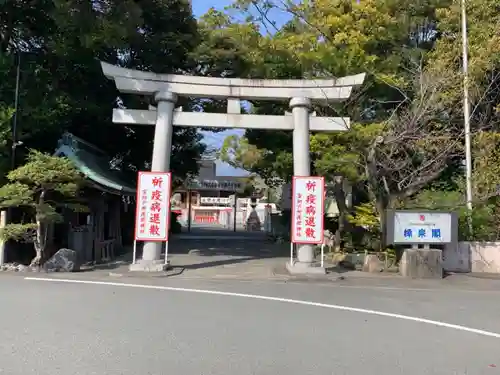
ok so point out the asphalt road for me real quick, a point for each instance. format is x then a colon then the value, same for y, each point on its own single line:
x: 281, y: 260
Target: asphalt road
x: 59, y: 328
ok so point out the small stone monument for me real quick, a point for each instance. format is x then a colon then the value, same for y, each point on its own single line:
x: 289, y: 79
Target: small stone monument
x: 419, y: 230
x: 253, y: 223
x: 64, y: 260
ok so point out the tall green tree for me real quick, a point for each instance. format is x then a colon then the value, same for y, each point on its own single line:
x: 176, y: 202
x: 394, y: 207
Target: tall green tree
x: 407, y: 131
x: 323, y: 39
x: 62, y: 85
x: 41, y: 186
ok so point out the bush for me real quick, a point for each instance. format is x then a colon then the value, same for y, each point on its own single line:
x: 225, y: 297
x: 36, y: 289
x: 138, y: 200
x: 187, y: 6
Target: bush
x: 365, y: 231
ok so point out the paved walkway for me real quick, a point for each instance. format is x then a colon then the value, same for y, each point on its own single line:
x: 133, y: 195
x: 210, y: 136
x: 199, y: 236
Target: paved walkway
x: 251, y: 257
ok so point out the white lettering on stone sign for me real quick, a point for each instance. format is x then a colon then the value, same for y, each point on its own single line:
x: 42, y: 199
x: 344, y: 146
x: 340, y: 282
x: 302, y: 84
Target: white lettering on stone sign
x: 422, y: 228
x: 153, y: 206
x: 308, y: 195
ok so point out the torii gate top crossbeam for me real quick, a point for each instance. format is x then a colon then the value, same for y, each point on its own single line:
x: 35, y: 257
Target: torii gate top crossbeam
x: 140, y: 82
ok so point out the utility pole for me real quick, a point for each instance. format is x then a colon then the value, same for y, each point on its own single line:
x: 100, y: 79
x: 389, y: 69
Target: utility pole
x: 468, y: 152
x: 16, y: 110
x: 6, y: 216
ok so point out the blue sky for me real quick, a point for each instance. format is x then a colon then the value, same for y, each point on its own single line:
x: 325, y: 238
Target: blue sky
x: 215, y: 140
x: 201, y: 6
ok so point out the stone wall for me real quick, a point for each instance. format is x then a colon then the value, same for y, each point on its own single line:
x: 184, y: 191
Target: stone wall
x: 456, y: 257
x: 472, y: 257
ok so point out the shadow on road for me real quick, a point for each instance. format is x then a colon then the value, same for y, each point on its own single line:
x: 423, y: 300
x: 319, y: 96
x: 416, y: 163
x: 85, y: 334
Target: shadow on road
x: 209, y: 248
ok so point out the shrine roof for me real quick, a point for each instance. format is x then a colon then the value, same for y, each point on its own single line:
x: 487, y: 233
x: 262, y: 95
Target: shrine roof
x: 94, y: 164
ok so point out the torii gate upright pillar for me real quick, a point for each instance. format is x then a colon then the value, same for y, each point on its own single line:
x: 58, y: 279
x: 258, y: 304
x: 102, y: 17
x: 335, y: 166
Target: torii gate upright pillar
x: 162, y: 147
x: 301, y: 160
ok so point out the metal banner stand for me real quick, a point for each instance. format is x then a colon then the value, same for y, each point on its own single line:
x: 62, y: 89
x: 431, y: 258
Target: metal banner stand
x: 322, y: 254
x: 166, y: 252
x: 189, y: 210
x: 134, y: 252
x: 235, y: 211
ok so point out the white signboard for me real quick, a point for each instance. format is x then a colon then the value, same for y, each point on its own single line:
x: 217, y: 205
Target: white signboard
x: 215, y: 185
x: 422, y: 228
x: 308, y: 195
x: 215, y: 200
x: 152, y: 218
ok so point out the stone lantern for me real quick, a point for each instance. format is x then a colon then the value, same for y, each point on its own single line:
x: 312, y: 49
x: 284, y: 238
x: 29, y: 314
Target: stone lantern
x: 253, y: 223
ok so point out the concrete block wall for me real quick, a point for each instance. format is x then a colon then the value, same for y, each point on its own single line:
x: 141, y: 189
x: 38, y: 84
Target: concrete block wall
x: 472, y: 257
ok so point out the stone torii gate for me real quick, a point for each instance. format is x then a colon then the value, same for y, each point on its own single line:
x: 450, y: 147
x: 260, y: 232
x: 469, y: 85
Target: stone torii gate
x: 167, y: 87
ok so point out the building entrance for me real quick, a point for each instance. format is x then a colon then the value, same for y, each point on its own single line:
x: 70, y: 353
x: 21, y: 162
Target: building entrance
x: 219, y: 203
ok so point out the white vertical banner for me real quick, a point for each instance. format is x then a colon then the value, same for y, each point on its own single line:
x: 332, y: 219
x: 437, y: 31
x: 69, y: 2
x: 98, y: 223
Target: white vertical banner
x: 152, y: 218
x: 308, y: 202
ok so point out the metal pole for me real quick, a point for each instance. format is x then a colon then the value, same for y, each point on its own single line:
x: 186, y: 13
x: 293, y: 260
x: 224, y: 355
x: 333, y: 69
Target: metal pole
x: 14, y: 125
x: 166, y: 253
x: 270, y: 211
x: 189, y: 210
x: 468, y: 152
x: 134, y: 252
x: 234, y: 210
x: 3, y: 223
x: 16, y: 109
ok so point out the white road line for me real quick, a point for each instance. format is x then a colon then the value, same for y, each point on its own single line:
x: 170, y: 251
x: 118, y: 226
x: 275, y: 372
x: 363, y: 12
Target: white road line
x: 277, y: 299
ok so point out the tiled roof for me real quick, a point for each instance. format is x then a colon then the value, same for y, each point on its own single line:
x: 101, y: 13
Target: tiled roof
x: 94, y: 164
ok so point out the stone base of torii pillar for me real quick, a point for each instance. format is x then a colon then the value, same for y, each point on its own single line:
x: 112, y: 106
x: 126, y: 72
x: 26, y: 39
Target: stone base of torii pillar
x: 300, y: 268
x: 149, y: 266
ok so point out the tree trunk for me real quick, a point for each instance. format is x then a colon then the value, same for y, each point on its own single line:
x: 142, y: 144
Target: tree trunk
x: 39, y: 244
x: 377, y: 189
x: 37, y: 260
x: 381, y: 207
x: 40, y: 237
x: 339, y: 194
